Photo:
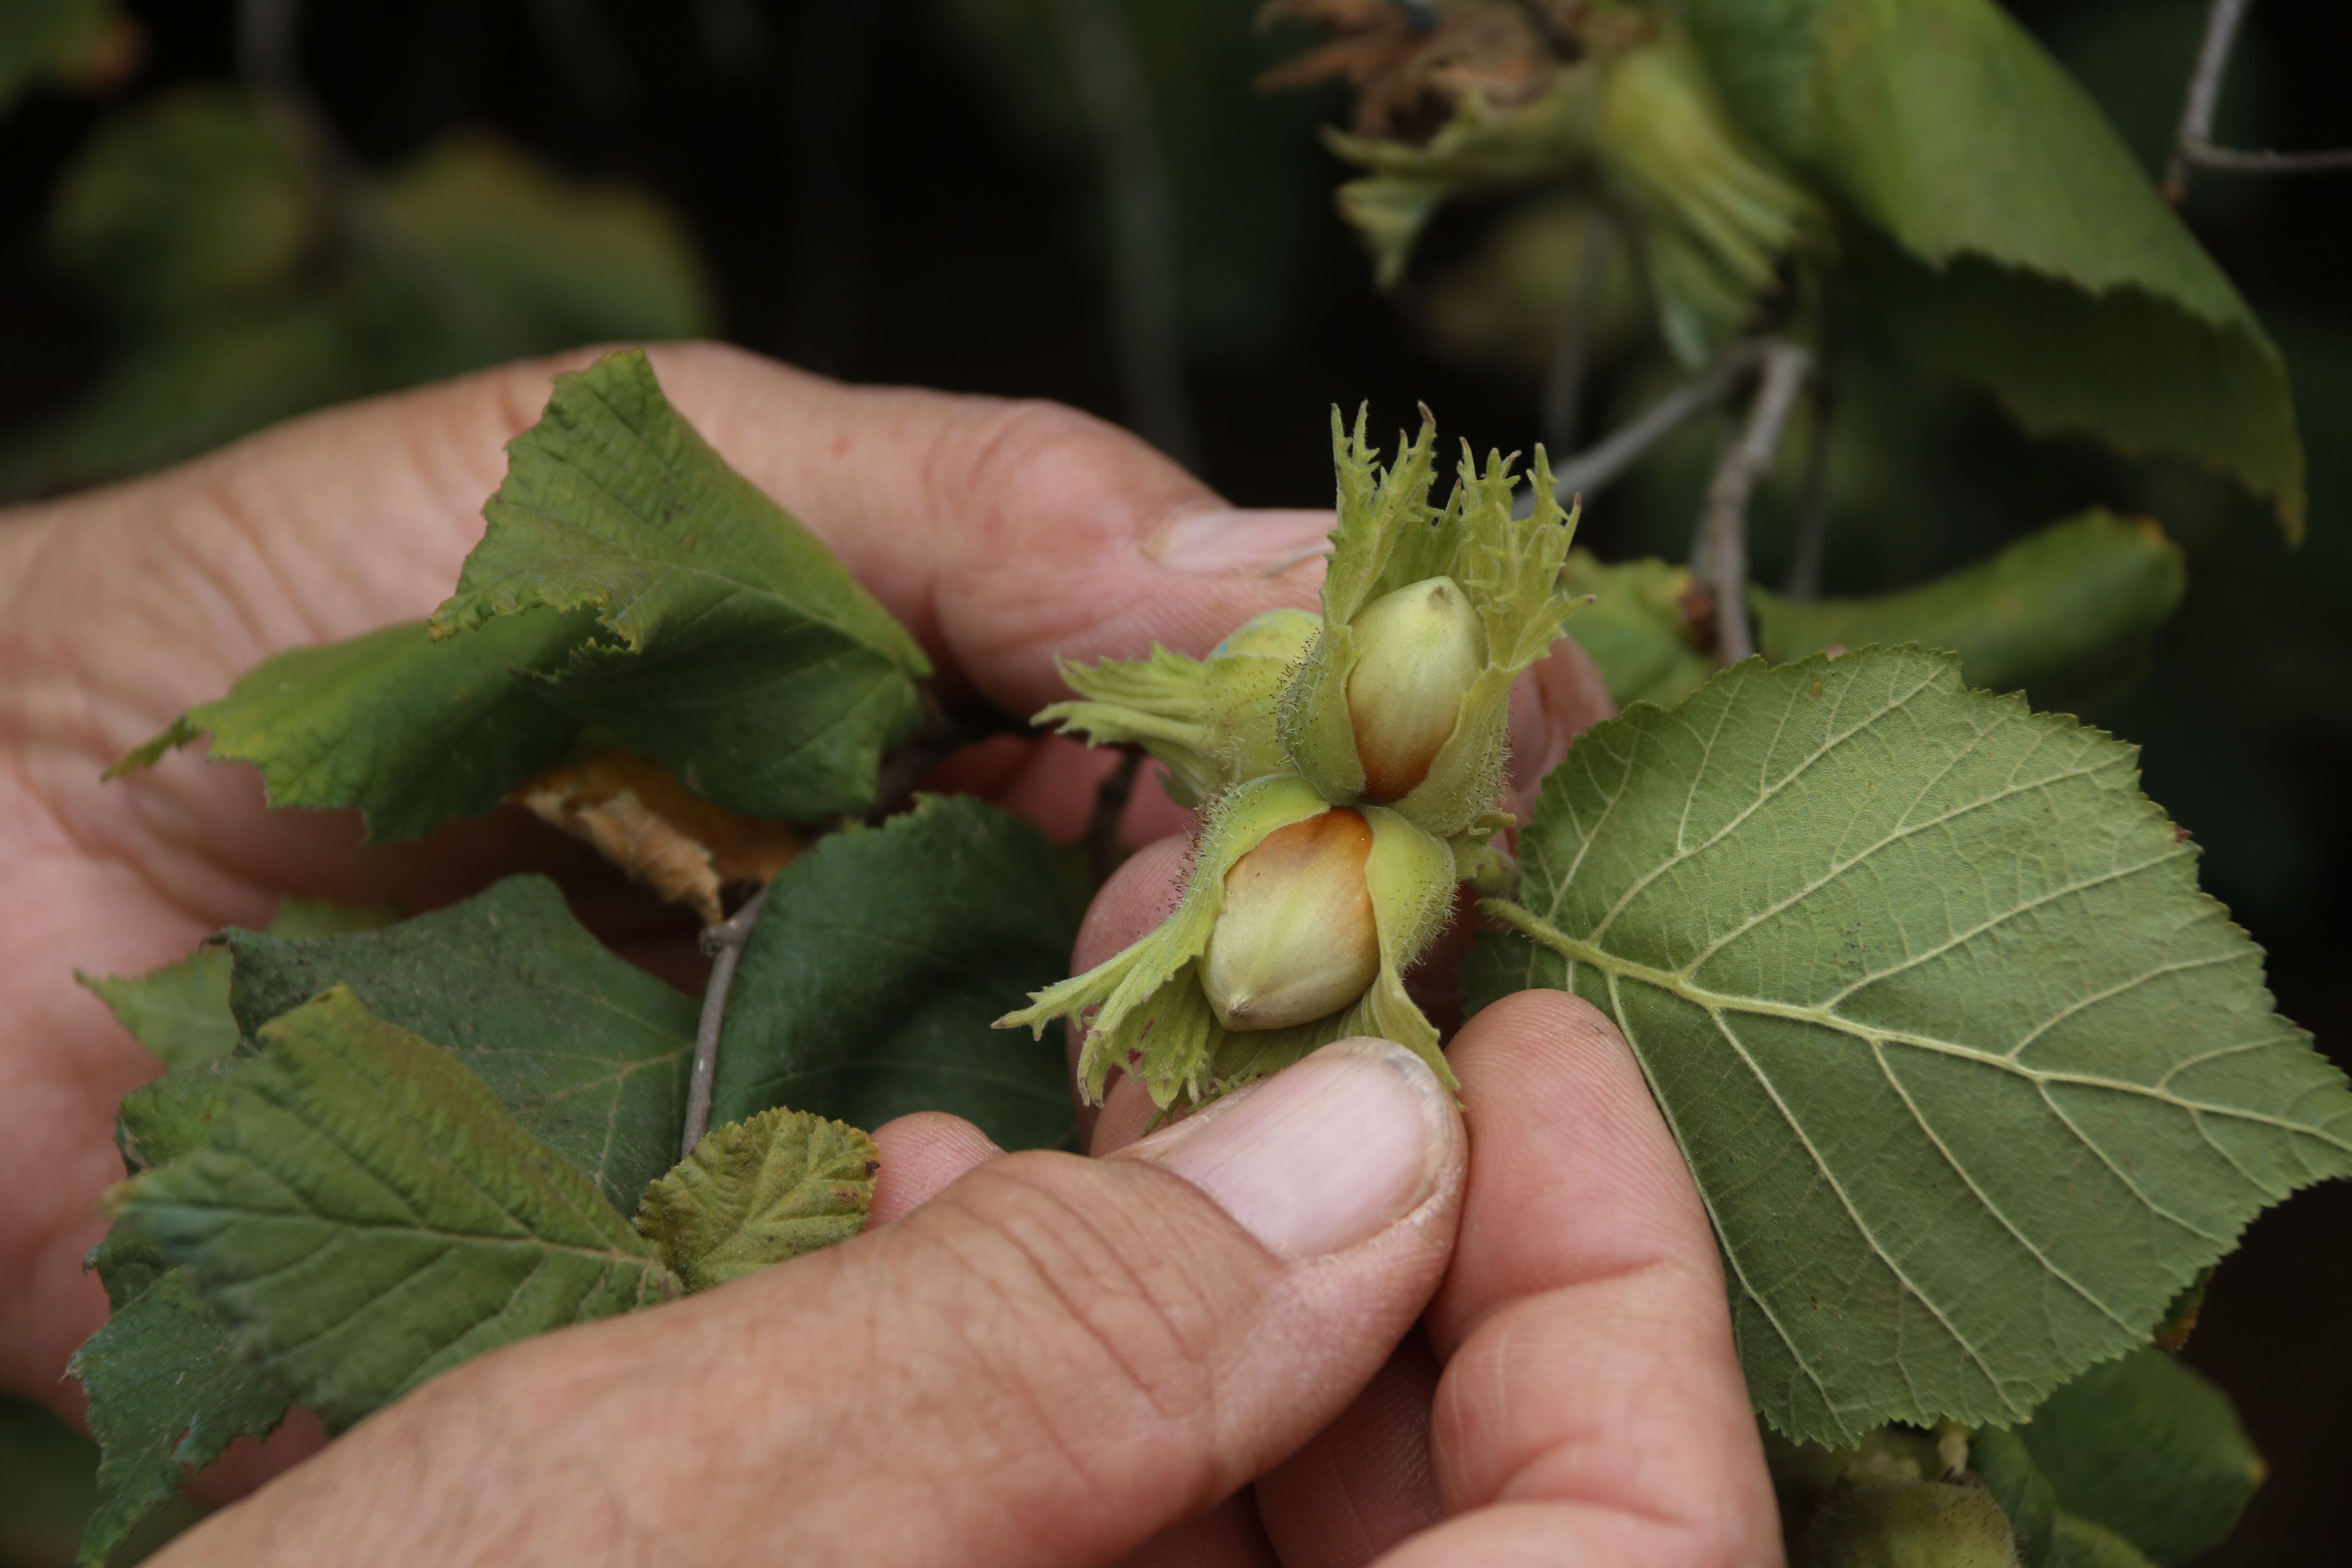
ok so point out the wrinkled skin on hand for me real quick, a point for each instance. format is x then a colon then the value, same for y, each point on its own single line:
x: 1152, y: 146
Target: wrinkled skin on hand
x: 1583, y: 1280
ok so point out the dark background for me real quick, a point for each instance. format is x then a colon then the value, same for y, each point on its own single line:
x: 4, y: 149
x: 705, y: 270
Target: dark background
x: 907, y: 192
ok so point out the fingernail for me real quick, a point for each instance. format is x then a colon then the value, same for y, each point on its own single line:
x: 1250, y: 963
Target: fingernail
x: 1263, y: 543
x: 1324, y: 1154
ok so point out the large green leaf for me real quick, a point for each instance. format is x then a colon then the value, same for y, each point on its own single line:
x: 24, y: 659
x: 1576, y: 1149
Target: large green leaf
x: 1973, y: 1079
x: 2065, y: 615
x: 588, y: 1052
x: 738, y: 650
x: 365, y: 1214
x: 872, y: 977
x: 759, y: 1192
x: 2030, y: 252
x: 2151, y: 1450
x: 167, y: 1396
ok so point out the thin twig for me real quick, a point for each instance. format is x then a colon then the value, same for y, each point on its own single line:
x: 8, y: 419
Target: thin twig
x: 1813, y: 495
x: 1564, y: 390
x: 1592, y: 471
x: 724, y: 942
x: 2193, y: 144
x: 1112, y: 796
x: 1720, y: 558
x: 1142, y: 224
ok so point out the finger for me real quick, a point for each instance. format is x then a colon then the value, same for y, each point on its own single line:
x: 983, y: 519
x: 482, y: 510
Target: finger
x: 920, y: 1154
x: 1138, y: 895
x: 1048, y: 1363
x: 1227, y: 1536
x: 1591, y: 1407
x: 1365, y: 1482
x: 1558, y: 699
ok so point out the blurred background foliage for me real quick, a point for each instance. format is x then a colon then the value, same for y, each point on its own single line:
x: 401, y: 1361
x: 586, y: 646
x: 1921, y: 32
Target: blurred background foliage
x: 218, y: 216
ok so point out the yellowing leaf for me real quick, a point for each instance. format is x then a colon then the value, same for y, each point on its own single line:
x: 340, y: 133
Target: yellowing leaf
x: 642, y: 819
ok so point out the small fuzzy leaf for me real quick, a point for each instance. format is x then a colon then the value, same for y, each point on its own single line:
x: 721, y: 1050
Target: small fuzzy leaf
x: 587, y: 1051
x: 867, y: 985
x: 366, y: 1215
x: 167, y: 1396
x: 759, y: 1192
x: 2147, y: 1447
x: 1973, y: 1078
x: 733, y: 647
x: 2058, y: 614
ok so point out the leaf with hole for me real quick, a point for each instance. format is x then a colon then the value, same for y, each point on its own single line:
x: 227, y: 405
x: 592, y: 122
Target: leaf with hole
x: 1973, y: 1078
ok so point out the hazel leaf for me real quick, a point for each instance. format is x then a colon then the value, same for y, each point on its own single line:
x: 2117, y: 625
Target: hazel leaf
x: 167, y: 1396
x: 1973, y: 1079
x: 867, y: 985
x: 2018, y: 242
x: 587, y: 1051
x: 2063, y: 614
x: 733, y: 646
x: 753, y: 1193
x: 411, y: 731
x: 2149, y: 1448
x: 365, y: 1214
x: 179, y: 1011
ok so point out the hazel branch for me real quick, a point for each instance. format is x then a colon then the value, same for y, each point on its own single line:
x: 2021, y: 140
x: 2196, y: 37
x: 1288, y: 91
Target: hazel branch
x: 2193, y: 145
x: 1592, y: 471
x: 724, y: 942
x: 1719, y: 559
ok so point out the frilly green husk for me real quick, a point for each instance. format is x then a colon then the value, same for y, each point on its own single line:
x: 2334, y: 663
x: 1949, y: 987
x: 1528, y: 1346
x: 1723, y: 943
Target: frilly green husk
x: 1260, y: 733
x: 1150, y: 1014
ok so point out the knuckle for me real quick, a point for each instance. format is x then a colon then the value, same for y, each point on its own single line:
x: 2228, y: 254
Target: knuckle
x: 1075, y: 1314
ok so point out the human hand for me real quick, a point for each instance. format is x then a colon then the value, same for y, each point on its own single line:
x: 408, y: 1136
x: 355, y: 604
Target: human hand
x: 999, y: 533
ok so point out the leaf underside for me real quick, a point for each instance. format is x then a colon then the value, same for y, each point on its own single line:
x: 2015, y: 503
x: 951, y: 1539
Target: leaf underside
x: 1973, y: 1078
x: 870, y: 982
x: 365, y: 1214
x: 587, y: 1051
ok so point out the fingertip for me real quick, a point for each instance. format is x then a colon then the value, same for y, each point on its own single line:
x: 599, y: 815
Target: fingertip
x: 1136, y: 898
x: 921, y: 1154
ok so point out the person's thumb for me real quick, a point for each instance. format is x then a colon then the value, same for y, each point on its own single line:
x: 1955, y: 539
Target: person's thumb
x: 1047, y: 1364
